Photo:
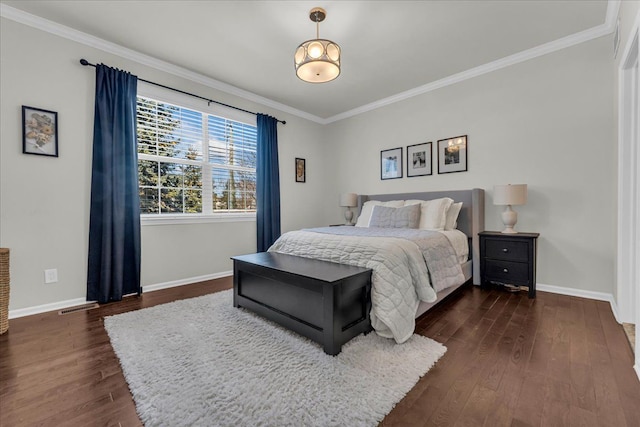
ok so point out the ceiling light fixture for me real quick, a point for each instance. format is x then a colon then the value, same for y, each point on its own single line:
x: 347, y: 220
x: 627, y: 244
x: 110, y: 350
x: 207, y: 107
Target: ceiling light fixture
x: 317, y: 60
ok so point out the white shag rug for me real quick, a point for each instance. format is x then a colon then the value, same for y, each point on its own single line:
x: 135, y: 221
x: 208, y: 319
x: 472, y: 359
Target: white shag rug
x: 202, y: 362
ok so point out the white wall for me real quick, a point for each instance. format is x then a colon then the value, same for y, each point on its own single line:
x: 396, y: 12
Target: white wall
x: 44, y: 202
x: 546, y: 122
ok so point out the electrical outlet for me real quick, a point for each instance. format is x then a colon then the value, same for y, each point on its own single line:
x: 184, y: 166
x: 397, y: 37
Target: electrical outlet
x: 51, y: 276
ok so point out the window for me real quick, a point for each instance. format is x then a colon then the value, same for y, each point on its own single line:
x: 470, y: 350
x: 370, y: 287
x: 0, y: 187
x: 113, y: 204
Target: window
x: 179, y: 174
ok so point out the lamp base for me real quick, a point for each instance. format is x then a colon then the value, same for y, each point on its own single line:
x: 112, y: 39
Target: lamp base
x: 348, y: 215
x: 509, y: 219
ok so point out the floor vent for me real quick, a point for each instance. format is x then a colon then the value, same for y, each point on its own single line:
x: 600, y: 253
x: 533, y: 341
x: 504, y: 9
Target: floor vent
x: 84, y: 307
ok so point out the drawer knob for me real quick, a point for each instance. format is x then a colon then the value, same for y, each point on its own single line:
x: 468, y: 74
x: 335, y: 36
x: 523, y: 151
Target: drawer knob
x: 505, y: 270
x: 505, y: 250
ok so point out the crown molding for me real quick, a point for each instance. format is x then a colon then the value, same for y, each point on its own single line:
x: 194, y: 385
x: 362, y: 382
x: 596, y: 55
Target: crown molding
x: 31, y: 20
x: 613, y: 7
x: 516, y: 58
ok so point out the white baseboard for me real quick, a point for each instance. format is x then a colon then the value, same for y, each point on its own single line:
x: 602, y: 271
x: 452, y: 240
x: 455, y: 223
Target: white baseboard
x: 600, y: 296
x: 615, y: 310
x: 21, y: 312
x: 187, y: 281
x: 38, y: 309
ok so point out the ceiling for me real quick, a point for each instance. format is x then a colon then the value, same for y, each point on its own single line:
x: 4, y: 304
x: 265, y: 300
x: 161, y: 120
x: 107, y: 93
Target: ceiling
x: 388, y: 47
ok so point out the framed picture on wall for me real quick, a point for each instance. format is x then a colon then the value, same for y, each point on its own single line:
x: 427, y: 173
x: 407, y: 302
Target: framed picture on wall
x: 419, y: 159
x: 301, y: 170
x: 391, y: 163
x: 39, y: 131
x: 452, y: 154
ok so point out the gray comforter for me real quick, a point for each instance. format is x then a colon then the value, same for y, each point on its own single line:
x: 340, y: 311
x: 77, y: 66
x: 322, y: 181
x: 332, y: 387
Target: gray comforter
x: 408, y: 266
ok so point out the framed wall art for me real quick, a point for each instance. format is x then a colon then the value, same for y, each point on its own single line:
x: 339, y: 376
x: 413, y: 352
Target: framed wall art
x: 39, y: 131
x: 452, y: 154
x: 419, y: 159
x: 301, y: 170
x: 391, y: 163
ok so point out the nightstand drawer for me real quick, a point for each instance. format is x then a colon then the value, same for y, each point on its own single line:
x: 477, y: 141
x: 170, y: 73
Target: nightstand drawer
x: 507, y: 250
x: 507, y: 272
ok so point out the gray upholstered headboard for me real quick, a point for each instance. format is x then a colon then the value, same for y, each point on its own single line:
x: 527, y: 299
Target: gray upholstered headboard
x: 470, y: 220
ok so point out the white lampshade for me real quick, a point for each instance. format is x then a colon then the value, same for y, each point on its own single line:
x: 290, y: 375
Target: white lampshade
x: 349, y: 200
x: 511, y: 194
x: 508, y: 195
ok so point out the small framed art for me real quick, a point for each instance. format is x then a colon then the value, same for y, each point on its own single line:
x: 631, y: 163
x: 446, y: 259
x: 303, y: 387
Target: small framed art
x: 301, y: 170
x: 391, y: 163
x: 419, y: 159
x: 452, y: 154
x: 39, y: 131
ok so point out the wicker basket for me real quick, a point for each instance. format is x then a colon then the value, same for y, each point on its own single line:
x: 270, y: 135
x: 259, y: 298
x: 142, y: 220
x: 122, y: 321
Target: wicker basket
x: 4, y: 290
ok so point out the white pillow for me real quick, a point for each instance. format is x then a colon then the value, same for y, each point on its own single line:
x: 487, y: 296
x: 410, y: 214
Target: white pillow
x: 367, y: 208
x: 451, y: 222
x: 433, y: 213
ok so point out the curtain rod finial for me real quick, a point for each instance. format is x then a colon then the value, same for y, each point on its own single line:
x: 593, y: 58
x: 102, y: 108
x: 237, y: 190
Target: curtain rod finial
x: 84, y: 61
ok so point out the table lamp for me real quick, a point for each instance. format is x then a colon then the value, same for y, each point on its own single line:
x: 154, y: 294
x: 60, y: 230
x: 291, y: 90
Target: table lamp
x: 508, y: 195
x: 348, y: 200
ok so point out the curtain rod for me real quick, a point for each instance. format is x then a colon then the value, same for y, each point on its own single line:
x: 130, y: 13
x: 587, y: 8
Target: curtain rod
x: 87, y: 63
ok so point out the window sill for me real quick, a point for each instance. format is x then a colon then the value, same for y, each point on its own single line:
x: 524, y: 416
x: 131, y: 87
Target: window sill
x: 178, y: 219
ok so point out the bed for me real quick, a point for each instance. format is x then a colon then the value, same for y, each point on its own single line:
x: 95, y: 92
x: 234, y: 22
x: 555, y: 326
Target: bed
x: 403, y: 286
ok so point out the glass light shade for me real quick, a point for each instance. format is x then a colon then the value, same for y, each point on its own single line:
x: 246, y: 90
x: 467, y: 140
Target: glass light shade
x: 315, y: 50
x: 317, y: 61
x: 333, y: 52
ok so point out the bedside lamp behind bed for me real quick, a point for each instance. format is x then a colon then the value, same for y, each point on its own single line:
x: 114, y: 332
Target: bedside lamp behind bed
x: 348, y: 200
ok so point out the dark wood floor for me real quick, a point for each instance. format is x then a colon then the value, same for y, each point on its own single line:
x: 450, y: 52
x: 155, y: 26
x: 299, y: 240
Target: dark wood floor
x: 511, y: 361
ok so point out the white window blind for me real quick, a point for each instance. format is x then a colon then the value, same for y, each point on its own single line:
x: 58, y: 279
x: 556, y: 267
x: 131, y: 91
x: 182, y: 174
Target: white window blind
x: 179, y: 174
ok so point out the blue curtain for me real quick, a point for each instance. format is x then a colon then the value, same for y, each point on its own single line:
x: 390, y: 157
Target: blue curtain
x: 267, y: 183
x: 114, y: 228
